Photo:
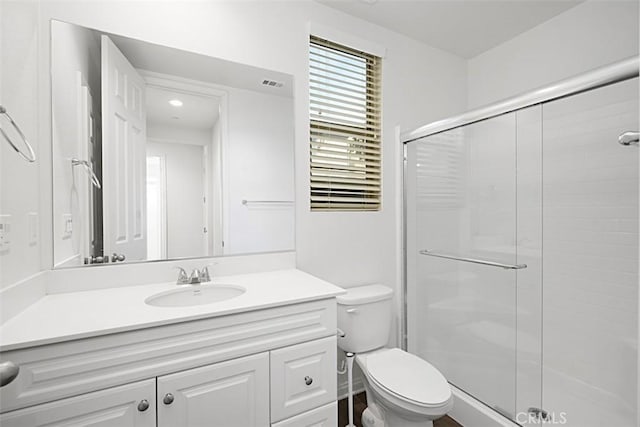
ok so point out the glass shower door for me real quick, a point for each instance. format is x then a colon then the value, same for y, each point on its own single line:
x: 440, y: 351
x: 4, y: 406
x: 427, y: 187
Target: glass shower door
x: 462, y: 263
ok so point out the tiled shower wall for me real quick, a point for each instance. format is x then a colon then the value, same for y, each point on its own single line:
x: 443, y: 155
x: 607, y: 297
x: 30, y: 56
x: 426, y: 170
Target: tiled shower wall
x: 590, y: 257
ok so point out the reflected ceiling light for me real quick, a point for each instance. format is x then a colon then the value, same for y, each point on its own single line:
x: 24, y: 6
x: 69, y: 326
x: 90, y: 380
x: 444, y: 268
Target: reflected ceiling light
x: 176, y: 103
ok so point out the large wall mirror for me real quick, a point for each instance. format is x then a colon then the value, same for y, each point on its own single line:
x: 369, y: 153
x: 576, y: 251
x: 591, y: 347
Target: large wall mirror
x: 161, y: 154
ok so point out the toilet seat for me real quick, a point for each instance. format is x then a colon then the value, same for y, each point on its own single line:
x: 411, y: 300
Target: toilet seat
x: 408, y: 378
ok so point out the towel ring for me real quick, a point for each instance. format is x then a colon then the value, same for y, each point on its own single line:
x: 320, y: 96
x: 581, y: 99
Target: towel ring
x: 31, y: 156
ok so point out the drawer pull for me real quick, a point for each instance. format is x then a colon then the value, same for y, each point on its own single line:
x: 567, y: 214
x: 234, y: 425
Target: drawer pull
x: 168, y: 399
x: 143, y: 405
x: 8, y: 372
x: 308, y: 380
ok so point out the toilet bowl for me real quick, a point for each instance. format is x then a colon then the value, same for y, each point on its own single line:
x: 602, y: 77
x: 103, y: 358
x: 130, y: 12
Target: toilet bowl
x: 402, y: 389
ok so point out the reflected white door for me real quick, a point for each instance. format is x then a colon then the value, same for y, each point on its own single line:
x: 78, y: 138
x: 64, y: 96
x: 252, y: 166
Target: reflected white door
x: 123, y: 155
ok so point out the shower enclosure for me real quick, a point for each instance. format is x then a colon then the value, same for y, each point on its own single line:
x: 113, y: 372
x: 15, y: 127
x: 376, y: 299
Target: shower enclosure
x: 521, y: 245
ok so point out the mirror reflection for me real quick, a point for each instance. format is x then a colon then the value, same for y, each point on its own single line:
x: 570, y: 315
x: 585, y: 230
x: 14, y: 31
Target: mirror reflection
x: 162, y: 154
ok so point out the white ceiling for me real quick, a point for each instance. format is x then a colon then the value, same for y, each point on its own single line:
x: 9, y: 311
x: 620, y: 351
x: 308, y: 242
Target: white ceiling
x: 189, y: 65
x: 197, y: 112
x: 463, y: 27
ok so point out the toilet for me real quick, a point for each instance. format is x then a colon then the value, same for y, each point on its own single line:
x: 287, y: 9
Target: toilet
x: 402, y: 390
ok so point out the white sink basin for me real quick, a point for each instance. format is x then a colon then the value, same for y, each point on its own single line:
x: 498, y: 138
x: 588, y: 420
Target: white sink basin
x: 195, y: 295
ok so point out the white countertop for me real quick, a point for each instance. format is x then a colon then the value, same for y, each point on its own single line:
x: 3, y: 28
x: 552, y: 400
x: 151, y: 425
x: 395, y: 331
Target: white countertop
x: 68, y: 316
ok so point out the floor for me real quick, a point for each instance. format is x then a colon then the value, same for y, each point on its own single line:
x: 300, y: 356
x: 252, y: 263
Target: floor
x: 360, y: 404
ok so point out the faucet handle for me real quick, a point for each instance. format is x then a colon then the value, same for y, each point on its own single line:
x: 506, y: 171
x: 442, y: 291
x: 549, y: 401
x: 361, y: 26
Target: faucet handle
x: 182, y: 276
x: 204, y: 274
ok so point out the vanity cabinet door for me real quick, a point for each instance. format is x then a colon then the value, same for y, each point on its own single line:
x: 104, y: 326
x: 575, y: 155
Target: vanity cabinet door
x: 230, y: 394
x: 131, y: 405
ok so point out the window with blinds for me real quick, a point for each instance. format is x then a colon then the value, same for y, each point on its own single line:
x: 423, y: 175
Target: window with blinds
x: 345, y: 110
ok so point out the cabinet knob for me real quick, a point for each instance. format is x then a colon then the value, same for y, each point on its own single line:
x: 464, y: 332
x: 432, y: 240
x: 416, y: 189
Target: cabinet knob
x: 143, y: 405
x: 308, y: 380
x: 168, y: 399
x: 8, y: 372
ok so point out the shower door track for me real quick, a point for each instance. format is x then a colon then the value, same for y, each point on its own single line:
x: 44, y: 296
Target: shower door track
x: 613, y: 73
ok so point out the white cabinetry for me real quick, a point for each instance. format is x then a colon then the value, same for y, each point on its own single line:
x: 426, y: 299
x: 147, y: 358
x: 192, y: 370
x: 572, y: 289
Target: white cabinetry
x: 131, y: 405
x: 261, y: 368
x: 230, y: 394
x: 303, y: 377
x: 325, y: 416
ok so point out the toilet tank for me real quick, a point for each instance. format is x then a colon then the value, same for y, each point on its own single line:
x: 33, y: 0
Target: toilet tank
x: 364, y: 315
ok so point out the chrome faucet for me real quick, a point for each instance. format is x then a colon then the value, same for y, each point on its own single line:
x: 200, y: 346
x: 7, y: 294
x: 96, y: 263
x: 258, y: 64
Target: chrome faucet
x: 196, y: 277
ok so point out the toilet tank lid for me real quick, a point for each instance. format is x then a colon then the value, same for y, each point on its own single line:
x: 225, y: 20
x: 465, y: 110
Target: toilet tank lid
x: 364, y: 295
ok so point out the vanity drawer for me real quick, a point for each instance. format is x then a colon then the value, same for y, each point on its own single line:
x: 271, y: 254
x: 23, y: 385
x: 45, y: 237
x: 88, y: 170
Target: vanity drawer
x: 117, y: 406
x: 325, y: 416
x: 303, y: 377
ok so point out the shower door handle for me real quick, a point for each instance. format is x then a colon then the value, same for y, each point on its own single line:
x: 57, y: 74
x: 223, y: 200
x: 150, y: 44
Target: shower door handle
x: 473, y: 260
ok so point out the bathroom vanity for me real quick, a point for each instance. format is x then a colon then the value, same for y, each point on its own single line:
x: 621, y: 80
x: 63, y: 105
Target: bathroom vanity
x: 266, y: 357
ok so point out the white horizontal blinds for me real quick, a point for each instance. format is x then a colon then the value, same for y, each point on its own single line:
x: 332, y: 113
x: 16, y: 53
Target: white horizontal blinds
x: 440, y: 171
x: 344, y: 93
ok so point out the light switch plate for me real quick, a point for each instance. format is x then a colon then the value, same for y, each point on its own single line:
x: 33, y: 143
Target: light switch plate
x: 67, y: 224
x: 5, y: 233
x: 33, y: 228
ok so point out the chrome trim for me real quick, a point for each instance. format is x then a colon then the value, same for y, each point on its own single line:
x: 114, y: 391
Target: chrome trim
x: 618, y: 71
x: 31, y: 155
x: 474, y: 260
x: 8, y: 372
x: 404, y: 326
x: 267, y: 202
x: 87, y: 166
x: 629, y: 138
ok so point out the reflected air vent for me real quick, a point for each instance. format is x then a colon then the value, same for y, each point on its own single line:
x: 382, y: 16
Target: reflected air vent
x: 272, y: 83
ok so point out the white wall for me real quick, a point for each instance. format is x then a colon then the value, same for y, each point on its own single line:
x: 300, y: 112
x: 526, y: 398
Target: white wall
x: 590, y: 35
x: 258, y: 165
x: 187, y: 135
x: 420, y: 84
x: 184, y: 164
x: 20, y: 183
x: 214, y: 178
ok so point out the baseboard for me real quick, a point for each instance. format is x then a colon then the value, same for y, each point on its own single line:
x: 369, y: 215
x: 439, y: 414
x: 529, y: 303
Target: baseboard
x: 469, y: 411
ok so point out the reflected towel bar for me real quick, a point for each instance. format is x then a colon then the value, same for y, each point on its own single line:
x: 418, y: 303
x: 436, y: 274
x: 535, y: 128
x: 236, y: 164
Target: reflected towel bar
x: 474, y: 261
x: 87, y: 166
x: 267, y: 202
